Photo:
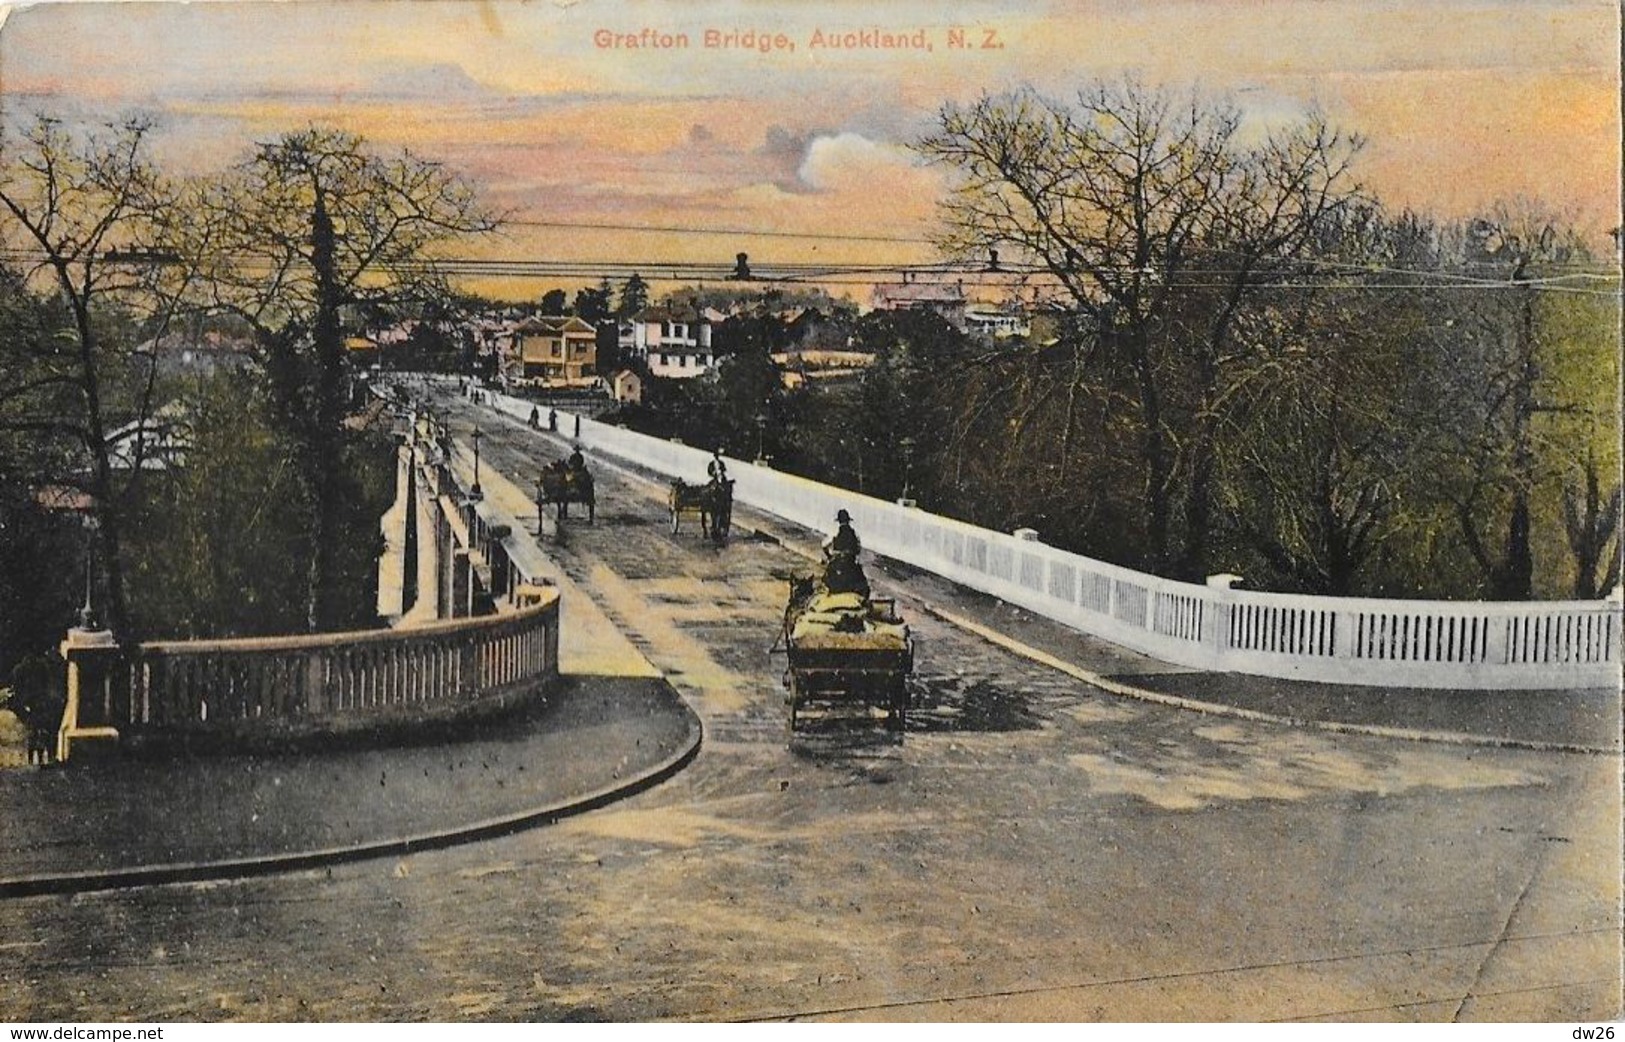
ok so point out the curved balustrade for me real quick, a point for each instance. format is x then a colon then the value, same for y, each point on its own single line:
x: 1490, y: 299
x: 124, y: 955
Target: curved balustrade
x: 327, y: 684
x: 1435, y: 644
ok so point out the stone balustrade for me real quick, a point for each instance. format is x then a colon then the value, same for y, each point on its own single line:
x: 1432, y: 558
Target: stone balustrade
x: 330, y: 684
x: 475, y: 632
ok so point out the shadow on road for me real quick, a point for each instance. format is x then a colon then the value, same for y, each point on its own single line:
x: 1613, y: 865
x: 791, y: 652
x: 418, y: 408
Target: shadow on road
x: 947, y: 704
x: 842, y: 734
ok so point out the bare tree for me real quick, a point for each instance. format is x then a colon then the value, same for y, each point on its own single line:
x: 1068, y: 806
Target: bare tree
x: 83, y: 211
x: 1591, y: 521
x: 1514, y: 368
x: 1158, y: 220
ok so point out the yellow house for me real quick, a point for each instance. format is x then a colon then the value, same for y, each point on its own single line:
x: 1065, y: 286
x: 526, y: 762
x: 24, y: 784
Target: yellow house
x: 558, y: 350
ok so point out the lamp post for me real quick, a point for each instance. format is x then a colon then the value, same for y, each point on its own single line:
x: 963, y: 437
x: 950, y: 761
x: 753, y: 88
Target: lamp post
x: 761, y: 435
x: 475, y: 491
x: 87, y: 614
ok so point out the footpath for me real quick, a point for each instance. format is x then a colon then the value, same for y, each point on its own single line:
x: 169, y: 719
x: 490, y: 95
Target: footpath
x: 142, y: 820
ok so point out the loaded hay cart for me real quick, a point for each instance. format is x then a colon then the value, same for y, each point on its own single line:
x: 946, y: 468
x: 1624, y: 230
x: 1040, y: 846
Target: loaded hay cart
x: 845, y: 648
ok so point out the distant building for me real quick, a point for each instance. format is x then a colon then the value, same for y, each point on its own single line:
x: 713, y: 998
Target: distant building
x: 361, y: 351
x: 995, y: 322
x: 158, y: 442
x: 811, y: 329
x: 680, y: 365
x: 497, y: 339
x: 946, y: 299
x: 801, y: 367
x: 185, y: 354
x: 63, y: 499
x: 626, y: 387
x: 557, y: 350
x: 675, y: 343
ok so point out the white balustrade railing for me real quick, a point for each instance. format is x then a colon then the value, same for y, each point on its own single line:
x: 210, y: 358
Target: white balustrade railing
x: 1400, y: 643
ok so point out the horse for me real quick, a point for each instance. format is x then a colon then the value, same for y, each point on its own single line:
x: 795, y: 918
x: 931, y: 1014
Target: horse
x: 561, y: 485
x: 713, y: 502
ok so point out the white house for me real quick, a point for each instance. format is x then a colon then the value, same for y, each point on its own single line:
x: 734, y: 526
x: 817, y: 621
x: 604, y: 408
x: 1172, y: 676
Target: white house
x: 995, y: 322
x: 675, y: 343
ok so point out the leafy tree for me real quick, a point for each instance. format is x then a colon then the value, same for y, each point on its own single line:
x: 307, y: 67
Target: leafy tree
x: 554, y: 301
x: 1591, y: 519
x: 42, y: 551
x: 1524, y: 370
x: 218, y: 545
x: 634, y: 297
x: 592, y: 304
x: 310, y: 226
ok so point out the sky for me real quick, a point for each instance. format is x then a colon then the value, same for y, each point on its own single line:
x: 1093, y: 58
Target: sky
x: 546, y: 108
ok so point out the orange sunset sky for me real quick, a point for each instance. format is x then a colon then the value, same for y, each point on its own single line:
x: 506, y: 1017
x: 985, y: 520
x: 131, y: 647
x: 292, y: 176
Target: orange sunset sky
x: 1463, y: 101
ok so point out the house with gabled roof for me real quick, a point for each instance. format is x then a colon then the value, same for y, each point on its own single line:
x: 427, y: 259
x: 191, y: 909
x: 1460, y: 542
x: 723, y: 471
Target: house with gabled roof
x: 558, y: 350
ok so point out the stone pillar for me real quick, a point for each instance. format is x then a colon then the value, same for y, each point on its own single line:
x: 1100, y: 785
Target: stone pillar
x: 462, y: 584
x: 89, y: 654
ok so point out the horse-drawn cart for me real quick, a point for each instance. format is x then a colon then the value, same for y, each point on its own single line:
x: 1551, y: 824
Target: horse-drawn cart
x: 845, y: 648
x: 560, y: 486
x: 711, y: 503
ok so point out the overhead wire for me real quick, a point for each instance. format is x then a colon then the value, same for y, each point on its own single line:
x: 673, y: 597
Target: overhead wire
x: 1340, y: 274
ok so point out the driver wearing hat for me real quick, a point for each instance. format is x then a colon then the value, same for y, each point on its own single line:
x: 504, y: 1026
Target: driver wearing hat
x: 845, y: 540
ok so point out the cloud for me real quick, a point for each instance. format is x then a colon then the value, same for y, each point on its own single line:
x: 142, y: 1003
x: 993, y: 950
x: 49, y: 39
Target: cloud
x: 849, y: 161
x: 784, y: 143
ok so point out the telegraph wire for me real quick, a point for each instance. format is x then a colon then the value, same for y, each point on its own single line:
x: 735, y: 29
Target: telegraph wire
x: 1008, y: 274
x: 741, y: 232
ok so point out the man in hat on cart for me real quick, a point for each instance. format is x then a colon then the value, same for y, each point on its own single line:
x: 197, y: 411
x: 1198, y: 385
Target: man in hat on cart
x: 842, y: 573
